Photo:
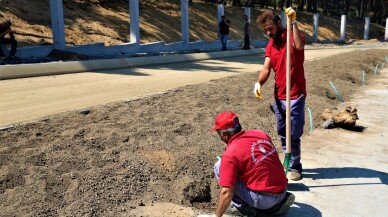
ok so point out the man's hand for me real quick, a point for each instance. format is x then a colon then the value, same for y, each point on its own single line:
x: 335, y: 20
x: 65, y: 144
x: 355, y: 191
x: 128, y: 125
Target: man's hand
x: 257, y: 90
x: 292, y: 14
x: 214, y: 215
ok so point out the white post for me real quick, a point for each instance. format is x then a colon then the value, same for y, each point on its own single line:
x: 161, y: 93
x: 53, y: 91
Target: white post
x: 283, y: 18
x: 386, y: 30
x: 185, y: 21
x: 343, y: 27
x: 247, y: 11
x: 366, y: 28
x: 220, y: 12
x: 315, y: 27
x: 134, y: 21
x: 57, y: 24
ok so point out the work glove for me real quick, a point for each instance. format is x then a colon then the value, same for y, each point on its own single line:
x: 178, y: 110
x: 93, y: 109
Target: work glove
x: 292, y: 14
x: 257, y: 90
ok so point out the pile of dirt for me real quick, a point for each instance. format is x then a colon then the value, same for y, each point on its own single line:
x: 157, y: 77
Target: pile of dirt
x: 91, y: 21
x: 119, y: 156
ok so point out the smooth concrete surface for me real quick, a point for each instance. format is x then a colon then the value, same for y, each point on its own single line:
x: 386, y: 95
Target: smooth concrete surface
x: 346, y: 172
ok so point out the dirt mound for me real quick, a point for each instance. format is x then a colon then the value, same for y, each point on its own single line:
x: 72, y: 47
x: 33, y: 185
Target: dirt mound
x: 158, y: 149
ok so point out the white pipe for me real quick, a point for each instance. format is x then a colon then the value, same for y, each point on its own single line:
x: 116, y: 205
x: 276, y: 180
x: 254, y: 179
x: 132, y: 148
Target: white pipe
x: 185, y: 22
x: 283, y: 18
x: 134, y: 21
x: 343, y: 27
x: 247, y: 11
x: 386, y: 30
x: 57, y: 24
x: 315, y: 27
x: 366, y: 28
x: 220, y: 12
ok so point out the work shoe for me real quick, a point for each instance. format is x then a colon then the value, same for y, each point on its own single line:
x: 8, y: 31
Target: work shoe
x: 282, y: 207
x: 295, y: 175
x: 233, y: 211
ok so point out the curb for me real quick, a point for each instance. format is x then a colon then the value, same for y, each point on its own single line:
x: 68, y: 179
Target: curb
x: 57, y: 68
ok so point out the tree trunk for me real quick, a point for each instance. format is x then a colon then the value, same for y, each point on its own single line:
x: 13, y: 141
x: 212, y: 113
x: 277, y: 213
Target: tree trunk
x: 301, y: 5
x: 346, y: 7
x: 312, y: 6
x: 289, y: 2
x: 362, y: 9
x: 378, y: 11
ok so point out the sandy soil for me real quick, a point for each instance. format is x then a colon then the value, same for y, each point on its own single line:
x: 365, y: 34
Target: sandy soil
x: 122, y: 157
x: 37, y: 98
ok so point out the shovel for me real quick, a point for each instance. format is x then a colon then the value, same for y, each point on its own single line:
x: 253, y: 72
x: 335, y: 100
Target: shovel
x: 287, y: 157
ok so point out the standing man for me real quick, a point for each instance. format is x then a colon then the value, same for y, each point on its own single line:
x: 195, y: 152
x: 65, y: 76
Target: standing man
x: 275, y: 58
x: 249, y: 172
x: 223, y: 31
x: 247, y: 31
x: 5, y: 28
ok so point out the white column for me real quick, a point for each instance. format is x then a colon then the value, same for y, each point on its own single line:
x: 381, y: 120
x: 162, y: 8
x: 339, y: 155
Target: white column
x: 134, y: 21
x: 315, y: 27
x: 343, y: 27
x: 57, y: 24
x: 247, y: 11
x: 366, y: 28
x: 220, y: 12
x: 386, y: 30
x: 284, y: 19
x: 185, y: 21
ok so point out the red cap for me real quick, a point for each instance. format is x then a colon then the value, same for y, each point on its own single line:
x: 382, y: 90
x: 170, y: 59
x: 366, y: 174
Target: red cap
x: 225, y: 120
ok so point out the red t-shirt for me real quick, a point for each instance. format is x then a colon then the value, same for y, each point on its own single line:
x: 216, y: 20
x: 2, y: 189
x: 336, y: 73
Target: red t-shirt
x: 251, y: 157
x: 278, y: 58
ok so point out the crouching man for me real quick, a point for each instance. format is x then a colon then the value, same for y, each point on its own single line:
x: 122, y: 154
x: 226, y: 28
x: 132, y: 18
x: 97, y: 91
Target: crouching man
x: 250, y: 174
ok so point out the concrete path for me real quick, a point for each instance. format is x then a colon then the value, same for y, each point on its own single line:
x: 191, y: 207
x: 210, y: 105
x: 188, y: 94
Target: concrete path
x: 29, y: 99
x: 346, y: 172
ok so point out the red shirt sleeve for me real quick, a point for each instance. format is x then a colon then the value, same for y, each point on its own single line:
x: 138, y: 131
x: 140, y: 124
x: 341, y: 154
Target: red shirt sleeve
x: 228, y: 171
x: 268, y: 48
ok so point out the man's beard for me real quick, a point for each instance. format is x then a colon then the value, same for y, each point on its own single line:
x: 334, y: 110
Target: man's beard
x: 278, y: 38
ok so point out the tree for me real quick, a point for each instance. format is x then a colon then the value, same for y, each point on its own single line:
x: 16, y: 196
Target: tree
x: 378, y: 11
x: 281, y: 4
x: 345, y: 10
x: 312, y: 6
x: 362, y: 9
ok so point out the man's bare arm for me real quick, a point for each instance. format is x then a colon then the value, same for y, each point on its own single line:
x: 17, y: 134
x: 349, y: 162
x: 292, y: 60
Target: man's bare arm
x: 265, y: 71
x: 224, y: 200
x: 298, y: 42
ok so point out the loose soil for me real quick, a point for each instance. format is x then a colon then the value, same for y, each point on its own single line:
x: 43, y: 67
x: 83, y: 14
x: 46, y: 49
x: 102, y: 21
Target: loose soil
x: 154, y: 152
x: 122, y: 157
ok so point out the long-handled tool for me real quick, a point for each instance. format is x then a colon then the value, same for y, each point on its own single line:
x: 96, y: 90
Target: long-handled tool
x: 287, y: 158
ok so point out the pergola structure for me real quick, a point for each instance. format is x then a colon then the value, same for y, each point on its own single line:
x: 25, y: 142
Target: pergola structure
x: 57, y: 21
x: 134, y: 46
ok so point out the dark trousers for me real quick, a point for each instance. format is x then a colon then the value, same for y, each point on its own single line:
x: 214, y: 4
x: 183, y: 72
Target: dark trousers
x: 297, y: 123
x: 13, y: 44
x: 247, y: 43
